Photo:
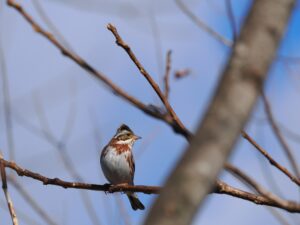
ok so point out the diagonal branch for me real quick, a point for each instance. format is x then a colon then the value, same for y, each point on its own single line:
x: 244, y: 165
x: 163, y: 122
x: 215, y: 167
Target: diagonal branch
x: 43, y: 214
x: 60, y: 146
x: 230, y: 14
x: 144, y: 72
x: 257, y: 187
x: 272, y: 161
x: 223, y: 188
x: 201, y: 24
x: 167, y: 74
x: 279, y: 136
x: 154, y: 112
x: 7, y: 196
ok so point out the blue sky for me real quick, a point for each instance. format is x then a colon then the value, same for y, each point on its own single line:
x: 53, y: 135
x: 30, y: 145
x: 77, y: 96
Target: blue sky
x: 41, y: 78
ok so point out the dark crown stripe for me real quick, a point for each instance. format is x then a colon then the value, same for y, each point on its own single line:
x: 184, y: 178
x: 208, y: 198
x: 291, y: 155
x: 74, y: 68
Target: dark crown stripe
x: 124, y: 127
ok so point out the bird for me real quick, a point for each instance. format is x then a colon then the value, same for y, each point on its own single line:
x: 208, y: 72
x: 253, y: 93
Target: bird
x: 117, y: 162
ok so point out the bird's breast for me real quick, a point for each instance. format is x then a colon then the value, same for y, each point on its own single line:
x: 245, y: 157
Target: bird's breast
x: 115, y: 166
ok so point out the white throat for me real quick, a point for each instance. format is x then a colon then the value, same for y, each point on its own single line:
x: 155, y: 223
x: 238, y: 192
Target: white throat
x: 125, y: 142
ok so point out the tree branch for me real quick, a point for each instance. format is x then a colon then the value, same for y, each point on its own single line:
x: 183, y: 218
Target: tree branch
x: 230, y: 14
x: 35, y: 206
x: 257, y: 187
x: 227, y: 114
x: 167, y: 74
x: 220, y: 188
x: 153, y: 84
x: 151, y: 111
x: 201, y: 24
x: 223, y: 188
x: 6, y: 193
x: 270, y: 159
x: 279, y: 136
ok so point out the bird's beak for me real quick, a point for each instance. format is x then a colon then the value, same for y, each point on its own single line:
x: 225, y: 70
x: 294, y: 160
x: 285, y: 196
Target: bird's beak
x: 137, y: 137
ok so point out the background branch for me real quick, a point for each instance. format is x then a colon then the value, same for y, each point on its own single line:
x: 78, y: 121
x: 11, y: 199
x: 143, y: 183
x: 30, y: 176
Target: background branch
x: 270, y: 159
x: 230, y: 14
x: 279, y: 136
x: 83, y: 64
x: 167, y: 74
x: 201, y: 24
x: 6, y: 193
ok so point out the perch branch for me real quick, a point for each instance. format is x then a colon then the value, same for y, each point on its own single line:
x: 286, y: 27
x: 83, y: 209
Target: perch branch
x: 220, y: 188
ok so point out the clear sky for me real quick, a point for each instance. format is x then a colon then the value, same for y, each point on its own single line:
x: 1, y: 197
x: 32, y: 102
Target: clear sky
x: 52, y: 94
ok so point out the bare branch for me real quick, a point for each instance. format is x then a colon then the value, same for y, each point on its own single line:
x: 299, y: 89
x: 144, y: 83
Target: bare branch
x: 7, y: 196
x: 220, y: 188
x: 223, y: 188
x: 201, y: 24
x: 84, y: 65
x: 167, y: 74
x: 279, y: 136
x: 7, y: 104
x: 153, y: 84
x: 21, y: 215
x: 78, y: 185
x: 258, y: 188
x: 43, y: 214
x: 177, y: 127
x: 182, y: 73
x: 227, y: 114
x: 60, y: 146
x: 231, y: 19
x: 40, y: 10
x: 270, y: 159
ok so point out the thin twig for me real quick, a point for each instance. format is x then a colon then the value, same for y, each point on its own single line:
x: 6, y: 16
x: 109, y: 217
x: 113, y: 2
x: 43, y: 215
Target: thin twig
x: 182, y: 73
x: 24, y: 217
x: 221, y: 188
x: 143, y: 71
x: 267, y: 172
x: 254, y: 185
x: 43, y: 214
x: 7, y: 104
x: 270, y: 159
x: 60, y: 146
x: 83, y: 64
x: 201, y: 24
x: 42, y: 13
x: 123, y: 210
x: 167, y: 74
x: 280, y: 218
x: 279, y: 136
x: 230, y: 14
x: 7, y: 196
x: 157, y: 40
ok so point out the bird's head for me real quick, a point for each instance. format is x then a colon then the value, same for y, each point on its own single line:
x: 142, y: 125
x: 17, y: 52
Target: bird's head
x: 125, y: 135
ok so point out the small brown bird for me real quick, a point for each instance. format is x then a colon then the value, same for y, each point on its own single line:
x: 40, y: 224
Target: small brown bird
x: 117, y: 161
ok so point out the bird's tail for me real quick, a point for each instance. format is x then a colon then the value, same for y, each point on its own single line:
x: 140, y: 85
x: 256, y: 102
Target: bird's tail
x: 135, y: 202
